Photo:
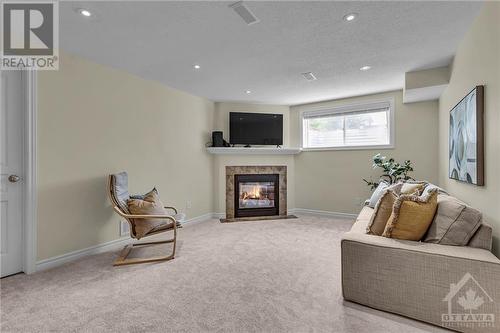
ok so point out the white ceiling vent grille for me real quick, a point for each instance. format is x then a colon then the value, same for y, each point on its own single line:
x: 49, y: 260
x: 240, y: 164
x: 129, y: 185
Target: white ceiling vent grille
x: 309, y: 76
x: 245, y: 13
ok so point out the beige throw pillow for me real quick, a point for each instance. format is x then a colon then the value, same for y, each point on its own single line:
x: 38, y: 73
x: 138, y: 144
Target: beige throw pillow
x: 381, y: 213
x: 396, y: 188
x: 412, y: 187
x: 411, y: 216
x: 454, y: 224
x: 151, y: 205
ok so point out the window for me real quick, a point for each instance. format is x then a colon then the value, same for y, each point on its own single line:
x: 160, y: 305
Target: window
x: 355, y: 127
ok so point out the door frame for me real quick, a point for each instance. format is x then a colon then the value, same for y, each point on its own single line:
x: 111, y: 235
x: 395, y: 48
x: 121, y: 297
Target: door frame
x: 29, y: 81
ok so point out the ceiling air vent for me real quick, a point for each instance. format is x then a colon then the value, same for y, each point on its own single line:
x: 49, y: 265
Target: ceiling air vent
x: 245, y: 13
x: 309, y: 76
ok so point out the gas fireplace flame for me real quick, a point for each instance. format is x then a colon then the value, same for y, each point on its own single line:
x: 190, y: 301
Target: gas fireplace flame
x: 253, y: 194
x: 256, y: 192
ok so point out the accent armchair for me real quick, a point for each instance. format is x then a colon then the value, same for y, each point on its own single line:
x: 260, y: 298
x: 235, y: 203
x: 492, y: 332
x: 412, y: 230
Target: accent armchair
x: 118, y: 194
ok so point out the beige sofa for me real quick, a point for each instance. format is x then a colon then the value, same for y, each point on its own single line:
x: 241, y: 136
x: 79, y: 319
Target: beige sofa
x: 424, y: 281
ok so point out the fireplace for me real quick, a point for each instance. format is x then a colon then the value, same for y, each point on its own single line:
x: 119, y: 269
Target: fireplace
x: 256, y: 195
x: 255, y: 191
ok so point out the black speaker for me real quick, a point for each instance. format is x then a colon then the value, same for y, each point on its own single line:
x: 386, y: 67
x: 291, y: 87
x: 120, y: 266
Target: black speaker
x: 217, y: 139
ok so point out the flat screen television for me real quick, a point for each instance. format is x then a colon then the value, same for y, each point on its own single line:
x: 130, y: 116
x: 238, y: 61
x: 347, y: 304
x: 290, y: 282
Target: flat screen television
x: 255, y: 128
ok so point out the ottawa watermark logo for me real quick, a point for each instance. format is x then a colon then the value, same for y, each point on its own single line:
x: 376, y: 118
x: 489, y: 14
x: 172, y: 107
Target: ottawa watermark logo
x: 30, y: 35
x: 469, y: 305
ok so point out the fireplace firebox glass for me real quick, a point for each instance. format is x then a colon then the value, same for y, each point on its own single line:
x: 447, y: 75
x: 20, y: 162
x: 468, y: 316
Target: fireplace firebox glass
x: 256, y: 195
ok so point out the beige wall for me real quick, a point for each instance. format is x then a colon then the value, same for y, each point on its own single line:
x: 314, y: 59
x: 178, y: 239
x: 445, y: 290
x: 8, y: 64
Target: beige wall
x: 427, y: 78
x: 477, y: 62
x: 94, y: 120
x: 331, y: 180
x: 221, y: 161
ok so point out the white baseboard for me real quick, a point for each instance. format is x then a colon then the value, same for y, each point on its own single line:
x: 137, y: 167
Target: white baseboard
x: 322, y: 213
x: 305, y: 211
x: 113, y: 245
x: 198, y: 219
x: 219, y: 215
x: 72, y: 256
x: 117, y: 244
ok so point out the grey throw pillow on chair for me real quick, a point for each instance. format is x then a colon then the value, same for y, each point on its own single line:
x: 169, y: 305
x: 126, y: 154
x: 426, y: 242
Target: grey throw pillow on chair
x: 119, y: 186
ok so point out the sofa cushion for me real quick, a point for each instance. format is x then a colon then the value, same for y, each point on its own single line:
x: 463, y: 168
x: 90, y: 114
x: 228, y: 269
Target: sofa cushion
x: 151, y: 205
x: 410, y: 247
x: 454, y: 224
x: 411, y: 216
x: 381, y: 213
x: 362, y: 220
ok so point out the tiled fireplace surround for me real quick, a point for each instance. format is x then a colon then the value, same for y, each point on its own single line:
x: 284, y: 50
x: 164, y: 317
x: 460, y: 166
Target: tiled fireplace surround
x: 231, y: 171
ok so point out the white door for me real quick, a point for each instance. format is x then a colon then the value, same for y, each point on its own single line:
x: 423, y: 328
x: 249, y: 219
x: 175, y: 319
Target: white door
x: 11, y: 168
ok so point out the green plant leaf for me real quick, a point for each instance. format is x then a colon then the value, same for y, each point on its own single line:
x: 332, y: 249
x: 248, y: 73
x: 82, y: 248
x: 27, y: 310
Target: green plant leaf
x: 392, y: 171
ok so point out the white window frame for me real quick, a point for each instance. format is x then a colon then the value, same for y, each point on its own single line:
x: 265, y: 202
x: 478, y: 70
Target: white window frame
x: 348, y: 108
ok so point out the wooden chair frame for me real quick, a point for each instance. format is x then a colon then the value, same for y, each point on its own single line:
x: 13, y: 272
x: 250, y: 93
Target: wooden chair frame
x: 131, y: 219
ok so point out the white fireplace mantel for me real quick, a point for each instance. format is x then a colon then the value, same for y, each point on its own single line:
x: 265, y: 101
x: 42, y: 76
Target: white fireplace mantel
x: 253, y: 151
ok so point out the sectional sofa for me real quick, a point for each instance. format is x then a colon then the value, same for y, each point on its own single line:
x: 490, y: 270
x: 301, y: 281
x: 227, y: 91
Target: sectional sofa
x: 457, y: 287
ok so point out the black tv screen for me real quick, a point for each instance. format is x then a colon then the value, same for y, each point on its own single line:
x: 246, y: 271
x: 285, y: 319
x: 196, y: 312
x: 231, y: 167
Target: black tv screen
x: 255, y: 128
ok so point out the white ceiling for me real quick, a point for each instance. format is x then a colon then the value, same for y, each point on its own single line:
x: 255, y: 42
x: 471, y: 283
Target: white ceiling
x: 162, y: 40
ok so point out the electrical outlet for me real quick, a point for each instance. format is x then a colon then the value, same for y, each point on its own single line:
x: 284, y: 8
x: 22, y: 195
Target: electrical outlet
x: 189, y: 204
x: 124, y: 228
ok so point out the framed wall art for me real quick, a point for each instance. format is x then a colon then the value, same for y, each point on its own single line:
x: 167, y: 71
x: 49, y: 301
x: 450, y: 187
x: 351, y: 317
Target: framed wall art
x: 466, y: 139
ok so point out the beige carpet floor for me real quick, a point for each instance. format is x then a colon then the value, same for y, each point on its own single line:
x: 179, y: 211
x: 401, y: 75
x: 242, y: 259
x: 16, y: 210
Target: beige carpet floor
x: 260, y: 276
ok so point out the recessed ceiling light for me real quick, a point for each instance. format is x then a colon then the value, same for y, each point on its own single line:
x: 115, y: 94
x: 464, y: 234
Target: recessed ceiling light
x: 365, y: 68
x: 309, y: 76
x: 248, y: 91
x: 85, y: 12
x: 196, y: 66
x: 350, y: 17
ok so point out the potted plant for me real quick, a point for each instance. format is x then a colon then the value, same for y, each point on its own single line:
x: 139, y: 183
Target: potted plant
x: 392, y: 171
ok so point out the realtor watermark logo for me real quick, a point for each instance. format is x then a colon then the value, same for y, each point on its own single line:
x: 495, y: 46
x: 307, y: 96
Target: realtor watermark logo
x: 30, y: 35
x: 469, y: 305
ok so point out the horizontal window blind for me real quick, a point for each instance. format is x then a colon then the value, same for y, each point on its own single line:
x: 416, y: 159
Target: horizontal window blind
x: 347, y: 127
